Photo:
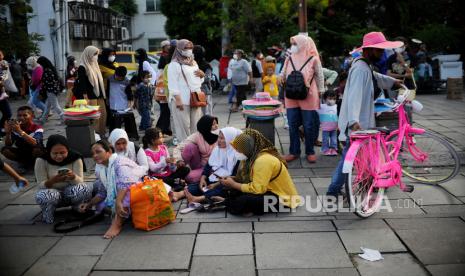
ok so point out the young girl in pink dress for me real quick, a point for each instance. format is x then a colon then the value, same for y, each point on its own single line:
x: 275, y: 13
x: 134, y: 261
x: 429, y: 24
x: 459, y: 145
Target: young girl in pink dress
x: 161, y: 165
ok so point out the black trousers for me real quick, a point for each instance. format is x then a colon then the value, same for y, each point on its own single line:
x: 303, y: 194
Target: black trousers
x: 117, y: 120
x: 241, y: 93
x: 241, y: 203
x: 163, y: 122
x: 6, y: 112
x: 180, y: 173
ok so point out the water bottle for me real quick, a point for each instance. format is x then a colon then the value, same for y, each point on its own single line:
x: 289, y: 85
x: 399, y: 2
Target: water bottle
x: 17, y: 188
x: 175, y: 141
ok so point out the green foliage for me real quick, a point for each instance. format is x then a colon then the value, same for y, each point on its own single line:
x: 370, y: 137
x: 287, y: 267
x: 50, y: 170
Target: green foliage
x: 126, y: 7
x: 429, y: 34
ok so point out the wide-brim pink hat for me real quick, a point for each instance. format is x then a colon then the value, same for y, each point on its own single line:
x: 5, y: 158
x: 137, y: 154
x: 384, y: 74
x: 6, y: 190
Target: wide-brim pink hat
x: 378, y: 40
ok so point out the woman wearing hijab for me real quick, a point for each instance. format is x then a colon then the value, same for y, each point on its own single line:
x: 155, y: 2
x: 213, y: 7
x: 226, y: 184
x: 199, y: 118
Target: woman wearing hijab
x: 262, y: 176
x: 304, y: 112
x: 222, y: 163
x: 107, y: 64
x: 199, y: 56
x: 89, y: 85
x: 60, y: 176
x: 144, y: 65
x: 52, y: 87
x: 35, y: 85
x: 197, y: 148
x: 71, y: 73
x: 184, y: 77
x: 123, y: 147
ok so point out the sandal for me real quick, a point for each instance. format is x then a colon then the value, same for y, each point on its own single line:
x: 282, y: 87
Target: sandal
x: 193, y: 206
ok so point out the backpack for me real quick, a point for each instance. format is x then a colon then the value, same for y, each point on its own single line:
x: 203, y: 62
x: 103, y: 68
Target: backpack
x: 295, y: 83
x: 255, y: 71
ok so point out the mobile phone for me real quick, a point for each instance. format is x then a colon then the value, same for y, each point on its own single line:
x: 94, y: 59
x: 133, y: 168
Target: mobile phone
x: 62, y: 171
x: 219, y: 177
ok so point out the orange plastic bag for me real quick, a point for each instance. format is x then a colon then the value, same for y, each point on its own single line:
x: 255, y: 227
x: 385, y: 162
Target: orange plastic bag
x: 150, y: 205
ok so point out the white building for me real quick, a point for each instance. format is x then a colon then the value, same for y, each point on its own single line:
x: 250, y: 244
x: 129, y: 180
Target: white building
x: 149, y: 23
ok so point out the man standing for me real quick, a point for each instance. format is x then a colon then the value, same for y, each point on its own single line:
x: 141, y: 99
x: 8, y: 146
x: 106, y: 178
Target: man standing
x: 363, y: 86
x: 241, y: 77
x: 257, y: 70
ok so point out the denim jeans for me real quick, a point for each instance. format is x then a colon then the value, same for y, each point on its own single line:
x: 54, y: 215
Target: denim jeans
x: 232, y: 94
x: 145, y: 119
x: 37, y: 102
x: 329, y: 140
x: 195, y: 190
x: 310, y: 121
x: 338, y: 178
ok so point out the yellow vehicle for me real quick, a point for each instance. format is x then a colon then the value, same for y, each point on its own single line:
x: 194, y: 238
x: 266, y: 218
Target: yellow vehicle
x: 128, y: 60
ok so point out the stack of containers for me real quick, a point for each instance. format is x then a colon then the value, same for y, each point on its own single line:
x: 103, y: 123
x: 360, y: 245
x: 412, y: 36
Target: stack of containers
x: 81, y: 111
x: 261, y: 107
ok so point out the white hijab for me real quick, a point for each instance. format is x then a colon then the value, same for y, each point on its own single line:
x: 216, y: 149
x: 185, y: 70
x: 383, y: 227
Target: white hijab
x: 224, y: 160
x: 92, y: 69
x: 130, y: 151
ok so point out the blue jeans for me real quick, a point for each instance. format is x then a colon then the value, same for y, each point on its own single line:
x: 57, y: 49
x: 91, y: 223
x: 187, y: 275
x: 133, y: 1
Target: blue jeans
x: 310, y: 121
x: 195, y: 190
x: 329, y: 140
x: 338, y: 178
x: 37, y: 102
x: 232, y: 94
x: 145, y: 119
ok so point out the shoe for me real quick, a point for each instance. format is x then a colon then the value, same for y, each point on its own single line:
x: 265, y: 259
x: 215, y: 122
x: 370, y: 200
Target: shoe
x: 333, y: 152
x: 327, y: 152
x: 290, y: 157
x: 318, y: 143
x: 311, y: 158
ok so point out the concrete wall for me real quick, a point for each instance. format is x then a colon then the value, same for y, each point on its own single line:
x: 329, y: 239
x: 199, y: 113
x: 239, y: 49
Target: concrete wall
x: 152, y: 23
x: 43, y: 11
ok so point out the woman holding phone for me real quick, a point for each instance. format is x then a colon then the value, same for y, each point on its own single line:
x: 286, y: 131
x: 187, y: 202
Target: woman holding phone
x: 60, y: 175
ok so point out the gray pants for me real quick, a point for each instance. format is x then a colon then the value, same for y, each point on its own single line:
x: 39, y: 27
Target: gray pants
x: 52, y: 104
x: 50, y: 199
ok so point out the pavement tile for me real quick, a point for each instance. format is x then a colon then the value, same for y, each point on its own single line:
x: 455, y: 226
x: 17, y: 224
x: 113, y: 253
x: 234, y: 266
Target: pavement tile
x: 80, y: 246
x: 154, y: 252
x: 62, y: 265
x: 445, y: 209
x: 16, y: 213
x: 138, y: 273
x: 223, y: 265
x: 233, y: 227
x: 19, y: 253
x: 424, y: 223
x: 300, y: 250
x: 223, y: 244
x: 432, y: 195
x: 293, y: 226
x: 447, y: 269
x: 455, y: 186
x: 35, y: 230
x: 309, y: 272
x: 382, y: 239
x: 398, y: 208
x: 392, y: 264
x: 360, y: 224
x: 174, y: 228
x: 436, y: 245
x: 26, y: 198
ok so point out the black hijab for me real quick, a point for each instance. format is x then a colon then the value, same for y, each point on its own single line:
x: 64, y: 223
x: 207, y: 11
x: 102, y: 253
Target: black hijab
x: 103, y: 58
x: 56, y: 139
x: 199, y: 56
x: 204, y: 127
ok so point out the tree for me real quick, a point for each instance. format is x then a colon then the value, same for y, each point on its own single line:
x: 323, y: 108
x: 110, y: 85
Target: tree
x: 15, y: 38
x: 126, y: 7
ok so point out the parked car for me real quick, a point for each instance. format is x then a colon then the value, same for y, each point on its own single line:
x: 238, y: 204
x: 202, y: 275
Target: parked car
x: 128, y: 60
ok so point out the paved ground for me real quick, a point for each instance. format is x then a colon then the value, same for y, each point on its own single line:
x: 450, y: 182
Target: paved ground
x: 424, y: 235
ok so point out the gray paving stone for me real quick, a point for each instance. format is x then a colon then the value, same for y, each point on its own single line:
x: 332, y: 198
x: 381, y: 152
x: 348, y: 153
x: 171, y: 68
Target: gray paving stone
x: 447, y: 269
x: 63, y: 265
x: 424, y: 223
x: 293, y: 226
x: 445, y: 209
x: 18, y: 253
x: 431, y: 195
x: 301, y: 180
x: 223, y: 265
x: 436, y: 245
x: 321, y: 182
x: 35, y: 230
x: 310, y: 272
x: 223, y: 244
x: 395, y: 193
x: 80, y: 246
x: 392, y: 264
x: 139, y: 273
x: 197, y: 215
x: 92, y: 230
x: 174, y: 228
x: 399, y: 208
x: 455, y: 186
x: 154, y: 252
x: 19, y: 213
x: 301, y: 172
x: 26, y: 198
x: 233, y: 227
x: 383, y: 240
x: 360, y: 224
x: 300, y: 250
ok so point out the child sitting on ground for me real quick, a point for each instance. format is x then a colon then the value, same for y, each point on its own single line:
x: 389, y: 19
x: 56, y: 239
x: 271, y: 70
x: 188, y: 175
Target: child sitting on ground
x: 144, y: 95
x: 160, y: 164
x: 328, y: 122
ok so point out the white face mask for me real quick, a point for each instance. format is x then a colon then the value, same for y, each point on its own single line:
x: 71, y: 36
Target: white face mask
x: 331, y: 102
x: 186, y: 53
x: 216, y: 131
x: 294, y: 49
x: 147, y: 80
x: 240, y: 156
x: 235, y: 57
x: 111, y: 58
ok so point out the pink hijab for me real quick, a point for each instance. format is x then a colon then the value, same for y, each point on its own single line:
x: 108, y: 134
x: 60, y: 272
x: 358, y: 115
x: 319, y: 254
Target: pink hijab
x: 307, y: 48
x: 177, y: 55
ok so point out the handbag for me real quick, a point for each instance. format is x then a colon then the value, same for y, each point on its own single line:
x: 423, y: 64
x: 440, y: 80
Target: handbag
x: 198, y: 99
x: 76, y: 222
x: 150, y: 205
x: 160, y: 92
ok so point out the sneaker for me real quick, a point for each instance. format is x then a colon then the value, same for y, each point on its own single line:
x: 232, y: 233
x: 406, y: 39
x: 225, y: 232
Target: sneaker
x: 333, y: 152
x: 327, y: 152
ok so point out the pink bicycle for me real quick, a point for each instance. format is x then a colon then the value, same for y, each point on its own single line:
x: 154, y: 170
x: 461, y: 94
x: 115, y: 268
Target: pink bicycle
x: 378, y: 158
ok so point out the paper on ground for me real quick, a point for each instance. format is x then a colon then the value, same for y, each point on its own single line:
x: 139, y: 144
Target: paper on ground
x: 370, y: 254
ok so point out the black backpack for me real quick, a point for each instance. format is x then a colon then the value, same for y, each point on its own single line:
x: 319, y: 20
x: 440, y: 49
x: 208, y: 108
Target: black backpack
x: 295, y: 83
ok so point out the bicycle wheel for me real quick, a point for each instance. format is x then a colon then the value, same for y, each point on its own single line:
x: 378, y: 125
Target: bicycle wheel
x: 427, y: 158
x: 364, y: 197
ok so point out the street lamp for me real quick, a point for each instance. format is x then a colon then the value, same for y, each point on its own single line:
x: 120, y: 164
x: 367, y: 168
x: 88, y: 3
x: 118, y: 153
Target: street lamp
x: 303, y: 17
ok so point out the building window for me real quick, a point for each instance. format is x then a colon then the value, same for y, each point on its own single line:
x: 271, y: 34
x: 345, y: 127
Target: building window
x: 153, y: 5
x: 154, y: 44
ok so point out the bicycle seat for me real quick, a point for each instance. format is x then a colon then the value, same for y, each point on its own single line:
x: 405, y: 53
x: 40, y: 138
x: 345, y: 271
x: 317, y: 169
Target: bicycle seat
x: 383, y: 130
